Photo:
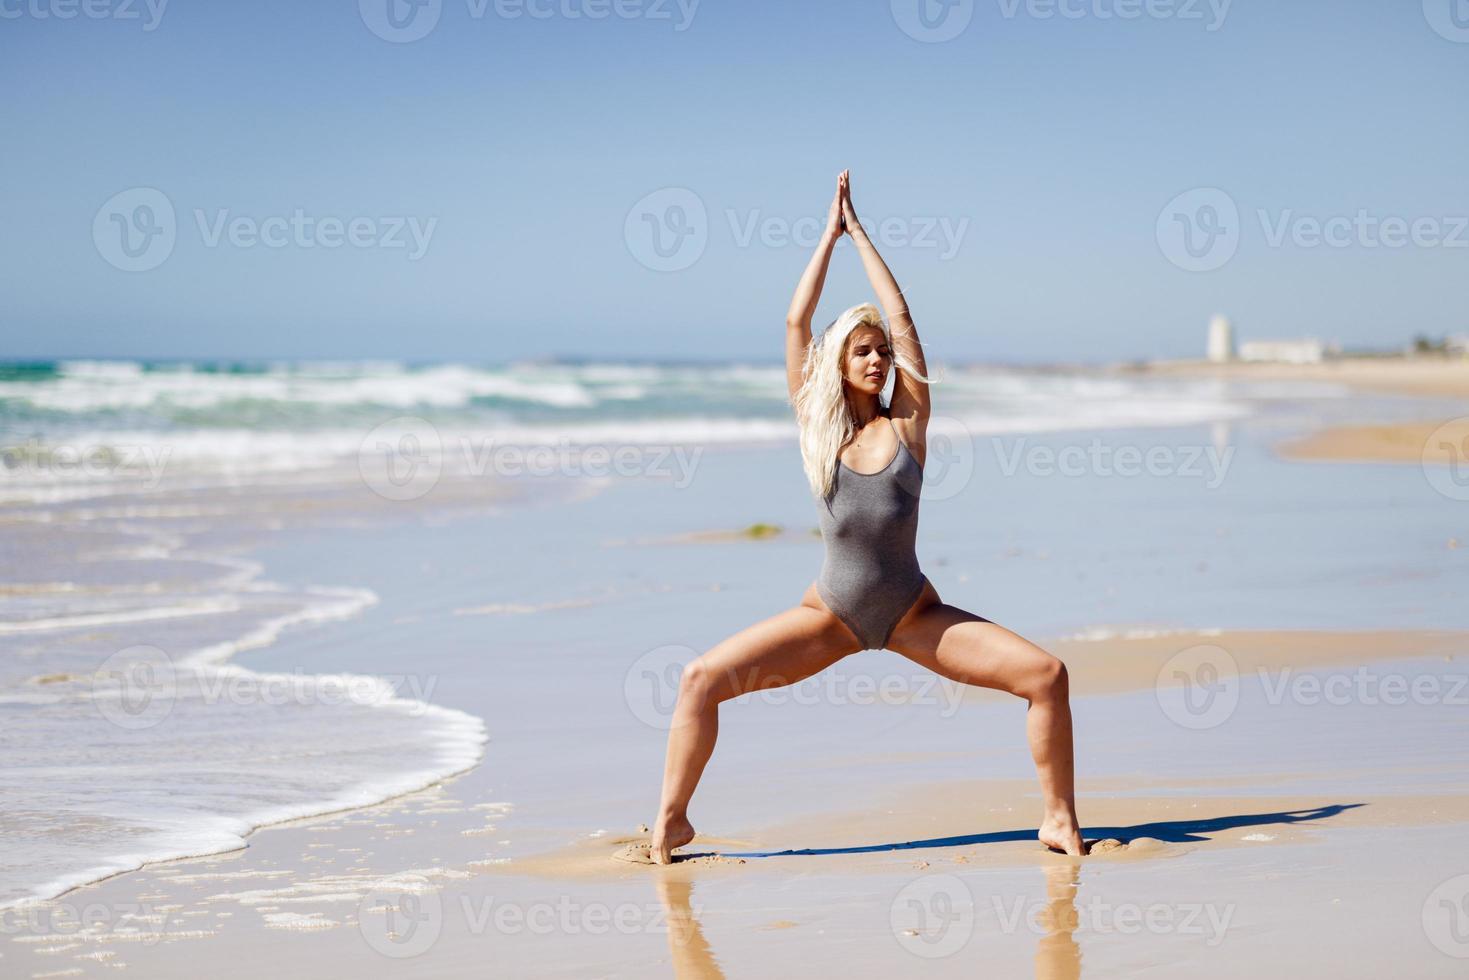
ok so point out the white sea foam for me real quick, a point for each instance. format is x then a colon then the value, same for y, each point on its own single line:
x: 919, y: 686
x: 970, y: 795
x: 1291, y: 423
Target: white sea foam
x: 98, y: 428
x: 130, y: 737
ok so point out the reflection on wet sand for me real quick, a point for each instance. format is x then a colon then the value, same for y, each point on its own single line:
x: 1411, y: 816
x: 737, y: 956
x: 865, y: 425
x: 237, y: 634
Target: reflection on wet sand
x: 1057, y: 955
x: 693, y: 959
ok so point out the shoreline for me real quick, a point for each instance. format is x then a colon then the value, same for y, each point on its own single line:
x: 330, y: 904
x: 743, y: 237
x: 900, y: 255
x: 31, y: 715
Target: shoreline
x: 1421, y: 376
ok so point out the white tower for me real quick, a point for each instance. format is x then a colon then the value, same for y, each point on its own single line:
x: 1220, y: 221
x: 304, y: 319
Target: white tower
x: 1221, y: 340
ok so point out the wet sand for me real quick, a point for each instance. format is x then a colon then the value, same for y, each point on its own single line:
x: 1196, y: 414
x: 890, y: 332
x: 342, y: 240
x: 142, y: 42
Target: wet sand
x: 884, y: 875
x: 1438, y: 443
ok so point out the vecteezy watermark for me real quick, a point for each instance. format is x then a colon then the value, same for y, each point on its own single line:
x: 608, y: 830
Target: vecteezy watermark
x: 1211, y: 13
x: 1199, y: 687
x: 669, y: 230
x: 405, y: 21
x: 136, y: 230
x: 137, y: 688
x: 652, y: 684
x: 69, y: 461
x: 1208, y: 920
x: 1205, y: 463
x: 936, y: 21
x: 1446, y: 917
x: 405, y: 458
x: 933, y: 21
x: 1201, y: 230
x: 1445, y: 458
x: 933, y: 916
x: 948, y: 462
x: 1364, y: 686
x: 944, y: 233
x: 1448, y: 18
x: 138, y: 923
x: 401, y: 459
x: 404, y: 915
x: 1363, y: 230
x: 149, y: 13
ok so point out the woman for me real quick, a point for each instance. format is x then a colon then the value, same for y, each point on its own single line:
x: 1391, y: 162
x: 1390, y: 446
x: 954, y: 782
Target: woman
x: 864, y: 462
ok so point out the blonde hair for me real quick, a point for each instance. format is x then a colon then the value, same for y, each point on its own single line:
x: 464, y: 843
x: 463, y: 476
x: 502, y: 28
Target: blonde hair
x: 822, y: 409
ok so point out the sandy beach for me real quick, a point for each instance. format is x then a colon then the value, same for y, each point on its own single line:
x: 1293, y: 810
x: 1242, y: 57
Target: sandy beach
x: 1417, y: 376
x: 1268, y: 679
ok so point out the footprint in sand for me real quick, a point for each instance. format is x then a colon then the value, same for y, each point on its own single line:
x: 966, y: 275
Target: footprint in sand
x: 1111, y: 845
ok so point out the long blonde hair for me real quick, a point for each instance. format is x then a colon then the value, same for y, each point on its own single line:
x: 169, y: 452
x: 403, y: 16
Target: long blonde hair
x: 822, y: 410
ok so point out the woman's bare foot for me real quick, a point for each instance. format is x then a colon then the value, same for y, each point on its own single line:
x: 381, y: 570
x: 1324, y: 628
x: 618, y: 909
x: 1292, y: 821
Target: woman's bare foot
x: 668, y: 833
x: 1060, y: 833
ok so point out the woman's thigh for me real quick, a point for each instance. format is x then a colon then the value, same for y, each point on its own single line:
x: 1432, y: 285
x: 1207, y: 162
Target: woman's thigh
x: 784, y: 649
x: 972, y: 650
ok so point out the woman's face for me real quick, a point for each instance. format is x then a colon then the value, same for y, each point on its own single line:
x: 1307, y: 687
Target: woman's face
x: 869, y: 358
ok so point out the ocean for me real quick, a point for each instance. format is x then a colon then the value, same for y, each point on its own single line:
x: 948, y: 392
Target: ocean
x: 142, y: 718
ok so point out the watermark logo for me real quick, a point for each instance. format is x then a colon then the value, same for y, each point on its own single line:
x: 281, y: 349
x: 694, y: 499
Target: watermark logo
x: 933, y: 21
x: 135, y: 688
x: 1204, y: 463
x: 1363, y: 230
x: 1199, y: 687
x: 402, y: 916
x: 149, y: 12
x: 1214, y: 11
x: 1063, y: 917
x: 650, y: 686
x: 400, y: 21
x: 1445, y: 459
x: 1448, y: 18
x: 948, y: 464
x: 402, y: 459
x: 933, y: 916
x: 1199, y: 230
x: 1446, y: 917
x: 136, y: 229
x: 34, y: 458
x: 138, y: 924
x: 668, y: 230
x: 1364, y: 686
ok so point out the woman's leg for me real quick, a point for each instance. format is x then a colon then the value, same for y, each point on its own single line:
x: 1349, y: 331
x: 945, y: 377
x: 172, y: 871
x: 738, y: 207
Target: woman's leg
x: 972, y: 650
x: 775, y: 652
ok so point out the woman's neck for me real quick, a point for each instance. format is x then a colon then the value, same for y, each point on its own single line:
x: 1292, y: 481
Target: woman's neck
x: 864, y: 409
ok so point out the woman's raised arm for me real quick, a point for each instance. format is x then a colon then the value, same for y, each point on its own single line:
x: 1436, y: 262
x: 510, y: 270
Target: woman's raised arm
x: 808, y: 293
x: 910, y: 396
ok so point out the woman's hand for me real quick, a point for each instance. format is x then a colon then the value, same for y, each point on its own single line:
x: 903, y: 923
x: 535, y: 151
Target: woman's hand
x: 850, y: 223
x: 834, y: 223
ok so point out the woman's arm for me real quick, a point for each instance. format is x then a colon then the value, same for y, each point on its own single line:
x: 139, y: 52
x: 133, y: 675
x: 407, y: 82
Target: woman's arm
x: 910, y: 396
x: 808, y: 293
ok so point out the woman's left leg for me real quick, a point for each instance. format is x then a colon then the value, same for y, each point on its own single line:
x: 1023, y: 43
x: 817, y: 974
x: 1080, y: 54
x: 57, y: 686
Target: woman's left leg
x: 972, y: 650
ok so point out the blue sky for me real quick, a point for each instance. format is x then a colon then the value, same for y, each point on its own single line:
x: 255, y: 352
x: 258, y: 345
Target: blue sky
x: 522, y: 148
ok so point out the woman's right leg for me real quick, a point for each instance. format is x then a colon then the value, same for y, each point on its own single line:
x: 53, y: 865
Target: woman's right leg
x: 781, y: 650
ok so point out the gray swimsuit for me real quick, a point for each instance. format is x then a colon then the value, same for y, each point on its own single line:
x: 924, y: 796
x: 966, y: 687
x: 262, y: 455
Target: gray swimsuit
x: 871, y: 576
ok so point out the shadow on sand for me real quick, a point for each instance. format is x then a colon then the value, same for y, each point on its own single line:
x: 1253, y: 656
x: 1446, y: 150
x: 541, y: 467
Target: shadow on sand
x: 1170, y: 831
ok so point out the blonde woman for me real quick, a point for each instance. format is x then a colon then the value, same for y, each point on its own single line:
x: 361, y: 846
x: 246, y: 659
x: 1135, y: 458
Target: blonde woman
x: 864, y: 463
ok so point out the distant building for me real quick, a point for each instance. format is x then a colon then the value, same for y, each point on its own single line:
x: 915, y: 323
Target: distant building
x: 1221, y: 340
x: 1308, y: 351
x: 1457, y: 344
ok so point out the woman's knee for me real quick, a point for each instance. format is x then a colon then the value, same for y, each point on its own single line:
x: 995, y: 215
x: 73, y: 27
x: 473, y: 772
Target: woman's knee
x: 1048, y: 681
x: 702, y: 685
